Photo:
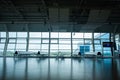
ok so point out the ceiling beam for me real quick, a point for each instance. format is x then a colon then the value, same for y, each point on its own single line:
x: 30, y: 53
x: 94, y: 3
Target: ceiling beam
x: 12, y: 5
x: 46, y: 9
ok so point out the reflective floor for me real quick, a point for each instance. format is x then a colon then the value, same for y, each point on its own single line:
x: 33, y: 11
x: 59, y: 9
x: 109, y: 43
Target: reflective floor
x: 59, y: 69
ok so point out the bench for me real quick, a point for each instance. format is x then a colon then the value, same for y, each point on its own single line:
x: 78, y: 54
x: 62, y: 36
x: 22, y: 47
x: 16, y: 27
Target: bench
x: 24, y: 53
x: 28, y: 54
x: 92, y: 54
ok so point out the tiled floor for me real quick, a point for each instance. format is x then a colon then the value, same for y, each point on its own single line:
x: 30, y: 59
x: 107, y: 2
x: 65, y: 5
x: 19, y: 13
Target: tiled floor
x: 59, y: 69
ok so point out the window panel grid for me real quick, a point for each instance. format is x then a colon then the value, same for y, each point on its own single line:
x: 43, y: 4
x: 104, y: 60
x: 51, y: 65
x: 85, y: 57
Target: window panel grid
x: 62, y: 40
x: 2, y: 46
x: 12, y: 40
x: 35, y: 34
x: 34, y: 46
x: 2, y: 40
x: 20, y: 46
x: 21, y: 41
x: 12, y: 34
x: 54, y: 34
x: 11, y: 46
x: 22, y: 34
x: 77, y: 35
x: 2, y: 34
x: 34, y: 41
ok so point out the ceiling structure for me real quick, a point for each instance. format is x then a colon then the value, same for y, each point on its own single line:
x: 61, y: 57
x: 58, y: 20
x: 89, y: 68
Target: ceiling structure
x: 60, y: 15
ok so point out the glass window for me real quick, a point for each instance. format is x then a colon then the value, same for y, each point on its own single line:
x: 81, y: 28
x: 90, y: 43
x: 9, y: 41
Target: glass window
x: 64, y: 35
x: 97, y: 41
x: 88, y: 41
x: 65, y: 51
x: 76, y: 47
x: 2, y: 40
x: 20, y: 46
x: 54, y: 41
x: 54, y: 34
x: 43, y: 51
x: 64, y: 41
x: 107, y: 49
x: 96, y: 35
x: 45, y: 34
x: 98, y: 48
x: 55, y: 51
x: 45, y: 41
x: 105, y: 40
x: 34, y: 46
x: 21, y: 41
x: 116, y: 37
x: 12, y: 40
x: 105, y: 35
x: 2, y: 34
x: 87, y: 48
x: 1, y: 51
x: 35, y: 34
x: 11, y: 46
x: 77, y: 35
x: 87, y: 35
x: 11, y: 50
x: 12, y: 34
x: 35, y: 50
x: 64, y: 46
x: 2, y: 46
x: 34, y: 40
x: 78, y: 41
x: 44, y: 46
x: 54, y: 46
x: 21, y: 34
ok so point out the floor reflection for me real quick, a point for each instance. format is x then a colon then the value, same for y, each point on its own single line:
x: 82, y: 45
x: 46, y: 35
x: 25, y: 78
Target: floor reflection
x: 59, y: 69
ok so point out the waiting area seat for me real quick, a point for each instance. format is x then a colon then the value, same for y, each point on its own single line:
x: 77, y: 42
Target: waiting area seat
x: 29, y: 54
x: 93, y: 54
x: 63, y: 55
x: 23, y: 53
x: 90, y: 54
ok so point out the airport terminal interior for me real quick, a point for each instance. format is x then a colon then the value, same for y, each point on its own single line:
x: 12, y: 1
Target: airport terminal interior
x: 59, y: 39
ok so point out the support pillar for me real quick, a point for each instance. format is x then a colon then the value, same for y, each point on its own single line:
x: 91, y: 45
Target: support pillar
x: 49, y: 41
x: 27, y: 37
x: 93, y: 42
x: 6, y: 43
x: 71, y: 44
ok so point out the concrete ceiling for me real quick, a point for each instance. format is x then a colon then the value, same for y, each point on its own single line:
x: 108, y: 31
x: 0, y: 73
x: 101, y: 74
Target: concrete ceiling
x: 60, y: 15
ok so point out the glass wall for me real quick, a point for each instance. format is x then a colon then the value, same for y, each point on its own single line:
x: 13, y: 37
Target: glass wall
x: 65, y: 43
x: 105, y: 37
x: 12, y: 37
x: 60, y: 42
x: 54, y: 47
x: 88, y: 47
x: 39, y: 41
x: 117, y: 42
x: 77, y: 40
x: 45, y: 43
x: 21, y: 41
x: 97, y: 42
x: 34, y: 41
x: 82, y: 42
x: 17, y: 41
x: 99, y: 38
x: 2, y: 42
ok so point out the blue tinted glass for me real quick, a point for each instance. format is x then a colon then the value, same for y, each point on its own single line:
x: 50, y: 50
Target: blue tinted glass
x: 105, y: 35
